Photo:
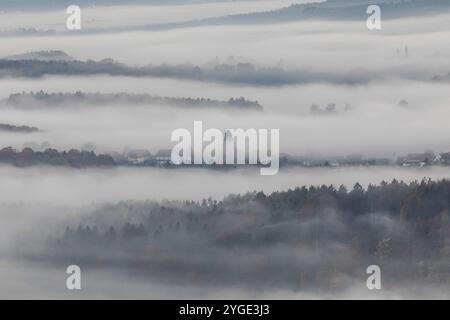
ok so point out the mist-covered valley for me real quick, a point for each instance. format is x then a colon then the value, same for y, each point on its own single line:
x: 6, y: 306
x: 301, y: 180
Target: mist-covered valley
x: 86, y: 179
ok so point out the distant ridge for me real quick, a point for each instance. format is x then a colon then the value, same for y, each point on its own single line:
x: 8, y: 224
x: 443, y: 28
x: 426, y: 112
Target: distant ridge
x: 51, y: 55
x: 327, y: 10
x: 236, y: 73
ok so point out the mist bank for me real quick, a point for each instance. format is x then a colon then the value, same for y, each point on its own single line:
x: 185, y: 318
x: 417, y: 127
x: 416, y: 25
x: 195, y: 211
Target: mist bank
x: 53, y: 185
x: 368, y: 120
x: 335, y: 48
x: 25, y: 280
x: 48, y: 4
x: 166, y: 6
x: 37, y: 64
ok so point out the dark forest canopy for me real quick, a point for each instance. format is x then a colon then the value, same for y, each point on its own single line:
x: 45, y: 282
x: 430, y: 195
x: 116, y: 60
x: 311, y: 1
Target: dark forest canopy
x: 273, y: 240
x: 60, y: 99
x: 424, y: 200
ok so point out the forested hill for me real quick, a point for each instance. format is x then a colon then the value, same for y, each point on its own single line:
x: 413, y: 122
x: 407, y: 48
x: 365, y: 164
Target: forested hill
x: 330, y: 10
x: 258, y: 240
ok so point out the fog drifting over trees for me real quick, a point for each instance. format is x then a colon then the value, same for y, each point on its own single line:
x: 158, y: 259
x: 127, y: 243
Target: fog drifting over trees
x: 73, y: 103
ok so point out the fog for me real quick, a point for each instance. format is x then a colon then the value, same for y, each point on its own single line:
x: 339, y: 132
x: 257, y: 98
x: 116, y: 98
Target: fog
x: 80, y: 187
x: 388, y: 95
x: 35, y: 253
x: 312, y: 46
x: 375, y: 126
x: 22, y: 283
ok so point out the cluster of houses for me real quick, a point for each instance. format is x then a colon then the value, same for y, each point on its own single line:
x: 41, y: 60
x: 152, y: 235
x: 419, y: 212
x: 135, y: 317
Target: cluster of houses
x: 427, y: 158
x: 424, y: 159
x: 317, y: 161
x: 143, y: 158
x: 163, y: 158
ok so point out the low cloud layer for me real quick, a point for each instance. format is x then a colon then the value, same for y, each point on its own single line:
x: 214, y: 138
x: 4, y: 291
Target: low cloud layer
x: 333, y: 88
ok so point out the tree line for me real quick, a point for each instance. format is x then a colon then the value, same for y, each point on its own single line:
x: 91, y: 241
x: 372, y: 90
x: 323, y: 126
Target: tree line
x: 72, y: 158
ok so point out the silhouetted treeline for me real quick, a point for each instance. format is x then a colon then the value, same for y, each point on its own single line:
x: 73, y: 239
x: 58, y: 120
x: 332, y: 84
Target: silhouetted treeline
x: 13, y: 128
x: 41, y: 98
x: 223, y: 73
x: 72, y: 158
x: 423, y: 200
x: 309, y: 236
